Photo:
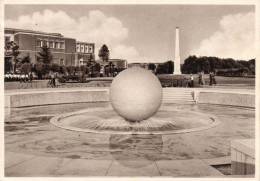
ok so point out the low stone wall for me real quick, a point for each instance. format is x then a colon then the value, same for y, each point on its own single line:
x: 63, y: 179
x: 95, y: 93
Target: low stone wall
x: 243, y: 157
x: 226, y: 98
x: 55, y: 97
x: 76, y: 95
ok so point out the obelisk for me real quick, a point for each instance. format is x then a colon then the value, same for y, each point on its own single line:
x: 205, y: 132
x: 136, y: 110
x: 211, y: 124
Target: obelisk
x: 177, y: 58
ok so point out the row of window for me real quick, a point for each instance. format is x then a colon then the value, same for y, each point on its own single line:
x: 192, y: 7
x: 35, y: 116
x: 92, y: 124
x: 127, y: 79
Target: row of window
x: 61, y: 45
x: 51, y: 44
x: 84, y: 48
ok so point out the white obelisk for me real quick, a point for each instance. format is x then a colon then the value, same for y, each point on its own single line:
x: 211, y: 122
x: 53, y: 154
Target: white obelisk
x: 177, y: 58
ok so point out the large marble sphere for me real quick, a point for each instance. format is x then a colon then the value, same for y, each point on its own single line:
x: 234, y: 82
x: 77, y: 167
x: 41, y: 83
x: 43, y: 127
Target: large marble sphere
x: 136, y: 94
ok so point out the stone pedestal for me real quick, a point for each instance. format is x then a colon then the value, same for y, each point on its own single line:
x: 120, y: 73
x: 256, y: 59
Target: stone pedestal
x: 243, y: 157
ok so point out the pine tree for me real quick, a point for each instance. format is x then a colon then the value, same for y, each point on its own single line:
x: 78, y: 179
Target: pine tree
x: 45, y: 55
x: 104, y: 53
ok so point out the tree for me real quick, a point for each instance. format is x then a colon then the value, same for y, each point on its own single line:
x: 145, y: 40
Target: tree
x: 44, y: 59
x: 14, y: 48
x: 91, y: 57
x: 39, y: 67
x: 165, y: 68
x: 8, y: 65
x: 97, y: 67
x: 45, y: 55
x: 169, y: 66
x: 55, y: 67
x: 152, y: 67
x: 26, y: 68
x: 26, y: 59
x: 194, y: 64
x: 104, y: 53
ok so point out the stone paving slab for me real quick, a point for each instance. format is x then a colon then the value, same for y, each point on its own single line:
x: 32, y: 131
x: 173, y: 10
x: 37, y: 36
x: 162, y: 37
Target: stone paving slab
x: 186, y: 168
x: 25, y: 165
x: 37, y: 167
x: 84, y: 167
x: 133, y: 168
x: 12, y: 159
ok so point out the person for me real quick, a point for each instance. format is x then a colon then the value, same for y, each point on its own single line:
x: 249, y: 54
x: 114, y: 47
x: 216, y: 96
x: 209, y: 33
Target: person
x: 30, y: 77
x: 22, y: 78
x: 210, y: 78
x: 213, y: 79
x: 53, y: 79
x: 26, y: 77
x: 191, y: 81
x: 200, y: 78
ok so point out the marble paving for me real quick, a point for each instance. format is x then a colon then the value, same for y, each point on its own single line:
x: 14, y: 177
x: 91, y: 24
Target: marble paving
x: 36, y: 148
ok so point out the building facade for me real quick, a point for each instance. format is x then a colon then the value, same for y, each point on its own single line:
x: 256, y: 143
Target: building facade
x: 64, y: 50
x: 84, y: 52
x: 119, y: 63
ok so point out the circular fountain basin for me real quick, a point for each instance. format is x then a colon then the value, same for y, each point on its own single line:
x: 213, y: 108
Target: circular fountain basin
x: 167, y: 120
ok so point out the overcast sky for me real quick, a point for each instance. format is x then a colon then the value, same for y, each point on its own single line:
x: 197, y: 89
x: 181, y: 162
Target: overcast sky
x: 146, y: 33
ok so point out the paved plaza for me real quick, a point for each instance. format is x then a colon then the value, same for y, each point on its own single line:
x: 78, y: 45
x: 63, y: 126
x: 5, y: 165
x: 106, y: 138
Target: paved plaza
x: 34, y: 147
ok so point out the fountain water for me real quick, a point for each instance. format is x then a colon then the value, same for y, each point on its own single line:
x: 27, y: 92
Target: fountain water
x: 136, y: 96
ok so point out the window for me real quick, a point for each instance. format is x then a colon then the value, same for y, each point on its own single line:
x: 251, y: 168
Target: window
x: 86, y: 49
x: 78, y: 47
x: 38, y: 43
x: 62, y: 45
x: 48, y: 44
x: 57, y: 45
x: 41, y: 44
x: 82, y: 48
x: 90, y: 49
x: 51, y: 44
x: 61, y: 62
x: 45, y: 43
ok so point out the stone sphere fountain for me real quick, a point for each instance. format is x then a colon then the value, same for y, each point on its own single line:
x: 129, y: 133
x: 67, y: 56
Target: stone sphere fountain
x: 136, y: 94
x: 135, y: 108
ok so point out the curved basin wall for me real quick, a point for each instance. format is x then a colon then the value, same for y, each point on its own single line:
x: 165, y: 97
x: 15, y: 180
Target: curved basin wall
x: 227, y: 98
x: 55, y: 97
x: 170, y: 95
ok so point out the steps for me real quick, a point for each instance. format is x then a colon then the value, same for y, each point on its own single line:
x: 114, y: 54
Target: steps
x: 177, y: 95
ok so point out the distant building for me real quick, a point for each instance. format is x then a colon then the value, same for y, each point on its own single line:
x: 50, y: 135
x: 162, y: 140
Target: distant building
x: 64, y: 50
x: 142, y: 65
x: 119, y: 63
x: 85, y: 52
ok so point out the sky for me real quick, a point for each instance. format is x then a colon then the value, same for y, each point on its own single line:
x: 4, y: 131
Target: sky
x: 146, y: 33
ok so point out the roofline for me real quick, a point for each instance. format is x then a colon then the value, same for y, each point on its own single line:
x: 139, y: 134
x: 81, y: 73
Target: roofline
x: 84, y: 42
x: 41, y: 33
x: 48, y: 35
x: 32, y: 31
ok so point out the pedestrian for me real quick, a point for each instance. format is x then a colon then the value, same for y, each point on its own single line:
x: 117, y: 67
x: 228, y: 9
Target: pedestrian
x: 26, y: 77
x: 210, y: 78
x: 22, y: 78
x: 30, y: 76
x: 53, y: 79
x: 200, y: 78
x: 191, y: 80
x: 214, y: 82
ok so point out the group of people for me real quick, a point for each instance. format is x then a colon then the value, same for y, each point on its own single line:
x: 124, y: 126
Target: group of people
x: 201, y: 81
x: 9, y: 77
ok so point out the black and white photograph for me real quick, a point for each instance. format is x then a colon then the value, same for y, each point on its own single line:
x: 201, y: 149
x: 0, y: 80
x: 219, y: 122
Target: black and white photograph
x: 124, y: 90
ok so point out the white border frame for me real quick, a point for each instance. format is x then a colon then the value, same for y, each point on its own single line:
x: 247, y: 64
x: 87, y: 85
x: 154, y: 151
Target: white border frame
x: 186, y: 2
